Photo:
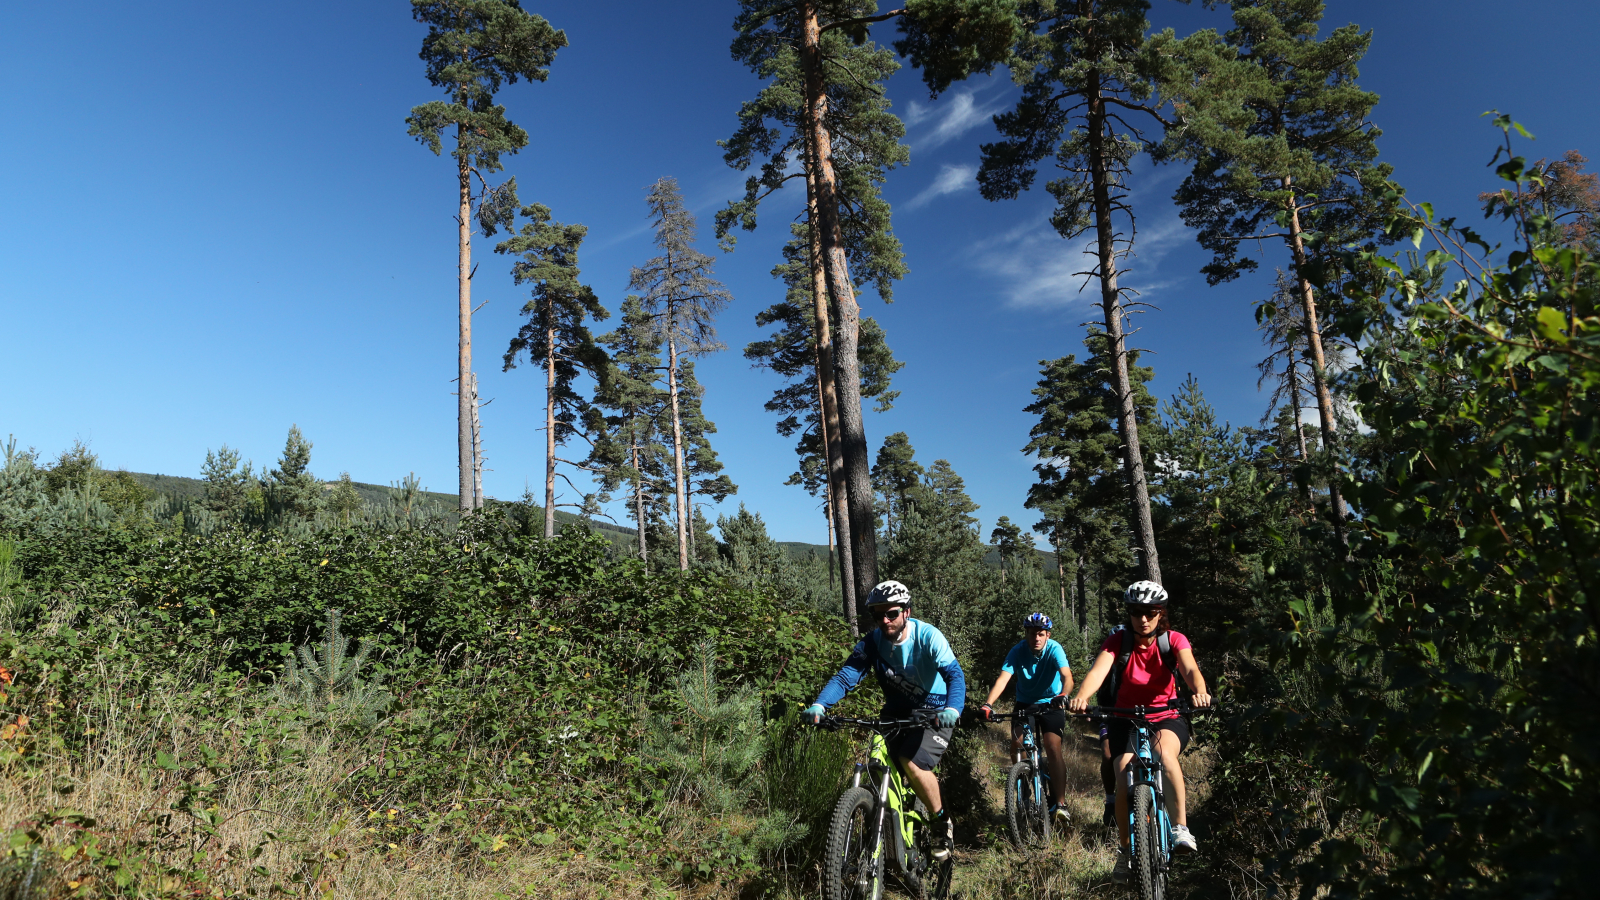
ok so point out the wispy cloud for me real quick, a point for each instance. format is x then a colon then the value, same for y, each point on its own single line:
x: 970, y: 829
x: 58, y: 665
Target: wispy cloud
x: 951, y: 179
x: 1042, y: 271
x: 962, y: 113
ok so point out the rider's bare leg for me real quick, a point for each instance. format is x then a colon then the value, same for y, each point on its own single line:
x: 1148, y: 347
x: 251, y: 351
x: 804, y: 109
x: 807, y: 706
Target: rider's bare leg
x: 924, y: 783
x: 1058, y: 766
x: 1122, y: 798
x: 1168, y: 746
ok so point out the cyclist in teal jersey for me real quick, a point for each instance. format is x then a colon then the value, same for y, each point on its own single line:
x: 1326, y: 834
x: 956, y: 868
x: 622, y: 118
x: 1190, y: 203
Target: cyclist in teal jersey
x: 918, y: 673
x: 1042, y: 673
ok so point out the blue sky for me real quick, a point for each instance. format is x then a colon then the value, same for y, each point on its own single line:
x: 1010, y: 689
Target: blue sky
x: 214, y: 225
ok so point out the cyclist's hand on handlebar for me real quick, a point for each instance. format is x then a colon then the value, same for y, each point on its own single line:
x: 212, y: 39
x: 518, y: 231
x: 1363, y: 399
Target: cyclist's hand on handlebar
x: 1078, y: 704
x: 948, y: 717
x: 812, y: 715
x: 1201, y: 701
x: 1058, y: 702
x: 987, y: 712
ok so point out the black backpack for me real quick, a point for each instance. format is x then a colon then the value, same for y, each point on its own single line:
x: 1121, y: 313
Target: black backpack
x: 1108, y: 691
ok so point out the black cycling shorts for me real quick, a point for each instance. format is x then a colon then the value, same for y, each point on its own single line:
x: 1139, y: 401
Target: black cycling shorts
x: 923, y: 746
x: 1121, y: 733
x: 1051, y: 721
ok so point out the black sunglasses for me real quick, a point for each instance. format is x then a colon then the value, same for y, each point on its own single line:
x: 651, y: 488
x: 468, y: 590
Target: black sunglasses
x: 890, y: 614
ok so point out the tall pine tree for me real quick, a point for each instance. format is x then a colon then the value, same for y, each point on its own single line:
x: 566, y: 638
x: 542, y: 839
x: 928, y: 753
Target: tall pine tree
x: 555, y: 336
x: 473, y: 48
x: 628, y: 447
x: 1277, y: 129
x: 1084, y: 74
x: 679, y: 292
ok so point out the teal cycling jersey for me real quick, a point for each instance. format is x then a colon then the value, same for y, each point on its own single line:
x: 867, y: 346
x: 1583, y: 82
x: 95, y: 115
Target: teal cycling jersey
x: 1038, y: 676
x: 920, y: 672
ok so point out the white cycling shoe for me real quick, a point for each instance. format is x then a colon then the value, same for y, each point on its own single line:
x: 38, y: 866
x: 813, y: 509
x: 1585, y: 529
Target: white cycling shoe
x: 1182, y: 840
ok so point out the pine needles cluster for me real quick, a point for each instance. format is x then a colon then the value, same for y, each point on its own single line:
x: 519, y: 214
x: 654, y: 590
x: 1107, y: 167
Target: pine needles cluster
x: 326, y: 679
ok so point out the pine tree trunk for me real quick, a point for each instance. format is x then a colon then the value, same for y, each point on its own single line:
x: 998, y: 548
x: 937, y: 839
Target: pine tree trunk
x: 638, y: 494
x: 1111, y: 305
x: 466, y: 460
x: 847, y: 366
x: 1294, y: 392
x: 838, y: 516
x: 677, y: 452
x: 550, y: 426
x: 1083, y: 596
x: 1319, y: 365
x: 1299, y: 433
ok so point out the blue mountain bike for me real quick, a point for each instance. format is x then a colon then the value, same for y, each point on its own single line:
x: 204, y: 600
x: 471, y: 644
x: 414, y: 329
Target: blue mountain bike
x: 1149, y: 827
x: 1028, y: 790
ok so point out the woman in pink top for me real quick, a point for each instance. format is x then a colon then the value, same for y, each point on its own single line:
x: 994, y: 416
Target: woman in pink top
x: 1148, y: 680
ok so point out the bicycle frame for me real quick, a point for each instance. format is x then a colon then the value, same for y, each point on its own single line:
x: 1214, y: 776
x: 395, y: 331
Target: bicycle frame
x: 1030, y: 752
x: 1146, y: 768
x: 895, y: 797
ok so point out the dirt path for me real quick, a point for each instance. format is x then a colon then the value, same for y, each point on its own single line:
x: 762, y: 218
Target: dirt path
x: 1077, y: 864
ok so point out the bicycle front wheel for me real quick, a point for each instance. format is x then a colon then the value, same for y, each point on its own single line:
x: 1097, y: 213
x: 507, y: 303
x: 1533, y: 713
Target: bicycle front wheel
x: 1022, y: 805
x: 1148, y: 847
x: 853, y: 869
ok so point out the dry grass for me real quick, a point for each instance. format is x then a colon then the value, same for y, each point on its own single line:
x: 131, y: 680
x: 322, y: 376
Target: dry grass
x: 262, y: 816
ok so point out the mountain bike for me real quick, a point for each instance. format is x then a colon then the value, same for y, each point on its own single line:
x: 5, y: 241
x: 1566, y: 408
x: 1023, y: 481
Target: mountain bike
x: 1028, y: 790
x: 878, y: 822
x: 1149, y: 827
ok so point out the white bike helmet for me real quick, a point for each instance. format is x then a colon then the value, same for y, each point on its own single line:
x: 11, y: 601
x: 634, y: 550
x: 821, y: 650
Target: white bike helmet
x: 889, y: 592
x: 1145, y: 593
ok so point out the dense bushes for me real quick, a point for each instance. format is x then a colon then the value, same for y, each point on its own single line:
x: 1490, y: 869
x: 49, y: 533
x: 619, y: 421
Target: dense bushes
x: 522, y: 672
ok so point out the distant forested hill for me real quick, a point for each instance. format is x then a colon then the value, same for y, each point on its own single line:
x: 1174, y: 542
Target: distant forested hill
x: 179, y: 487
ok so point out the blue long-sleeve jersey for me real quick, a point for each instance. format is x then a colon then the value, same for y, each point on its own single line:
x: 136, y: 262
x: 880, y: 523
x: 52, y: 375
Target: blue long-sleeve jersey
x: 919, y: 672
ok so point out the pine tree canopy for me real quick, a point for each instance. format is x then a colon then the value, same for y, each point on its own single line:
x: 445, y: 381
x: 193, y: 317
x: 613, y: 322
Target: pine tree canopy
x: 1272, y: 120
x: 555, y: 332
x: 474, y: 47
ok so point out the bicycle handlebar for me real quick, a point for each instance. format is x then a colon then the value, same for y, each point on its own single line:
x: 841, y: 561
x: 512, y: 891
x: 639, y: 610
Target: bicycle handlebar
x: 1139, y: 712
x: 917, y: 720
x: 1032, y: 709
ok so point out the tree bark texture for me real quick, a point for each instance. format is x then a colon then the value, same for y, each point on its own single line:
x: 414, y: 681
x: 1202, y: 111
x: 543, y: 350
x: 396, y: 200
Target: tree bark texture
x: 677, y: 452
x: 477, y: 447
x: 839, y: 520
x: 847, y: 366
x: 1111, y: 305
x: 638, y: 496
x: 550, y: 427
x: 1083, y: 597
x: 1319, y: 378
x: 466, y: 460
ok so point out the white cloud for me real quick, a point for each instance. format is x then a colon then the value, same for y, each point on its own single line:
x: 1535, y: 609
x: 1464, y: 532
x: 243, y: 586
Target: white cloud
x: 1042, y: 271
x: 962, y: 114
x: 951, y: 179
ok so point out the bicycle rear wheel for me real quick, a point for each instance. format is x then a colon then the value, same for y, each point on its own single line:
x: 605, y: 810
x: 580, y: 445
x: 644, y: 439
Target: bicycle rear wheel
x: 853, y: 868
x: 1147, y: 859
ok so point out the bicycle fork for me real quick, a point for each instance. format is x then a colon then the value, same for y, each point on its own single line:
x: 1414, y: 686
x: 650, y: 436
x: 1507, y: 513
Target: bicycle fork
x: 1155, y: 777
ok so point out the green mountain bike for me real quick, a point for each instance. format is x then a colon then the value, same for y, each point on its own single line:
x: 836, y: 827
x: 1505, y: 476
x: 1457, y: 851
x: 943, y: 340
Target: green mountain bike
x: 879, y: 823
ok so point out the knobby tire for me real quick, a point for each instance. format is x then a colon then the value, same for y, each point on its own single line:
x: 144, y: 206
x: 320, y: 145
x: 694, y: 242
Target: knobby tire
x: 1026, y: 815
x: 1147, y: 863
x: 852, y: 841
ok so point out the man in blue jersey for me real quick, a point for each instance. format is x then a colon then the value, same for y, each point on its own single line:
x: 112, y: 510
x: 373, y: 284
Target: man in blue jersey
x: 1040, y: 667
x: 917, y: 670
